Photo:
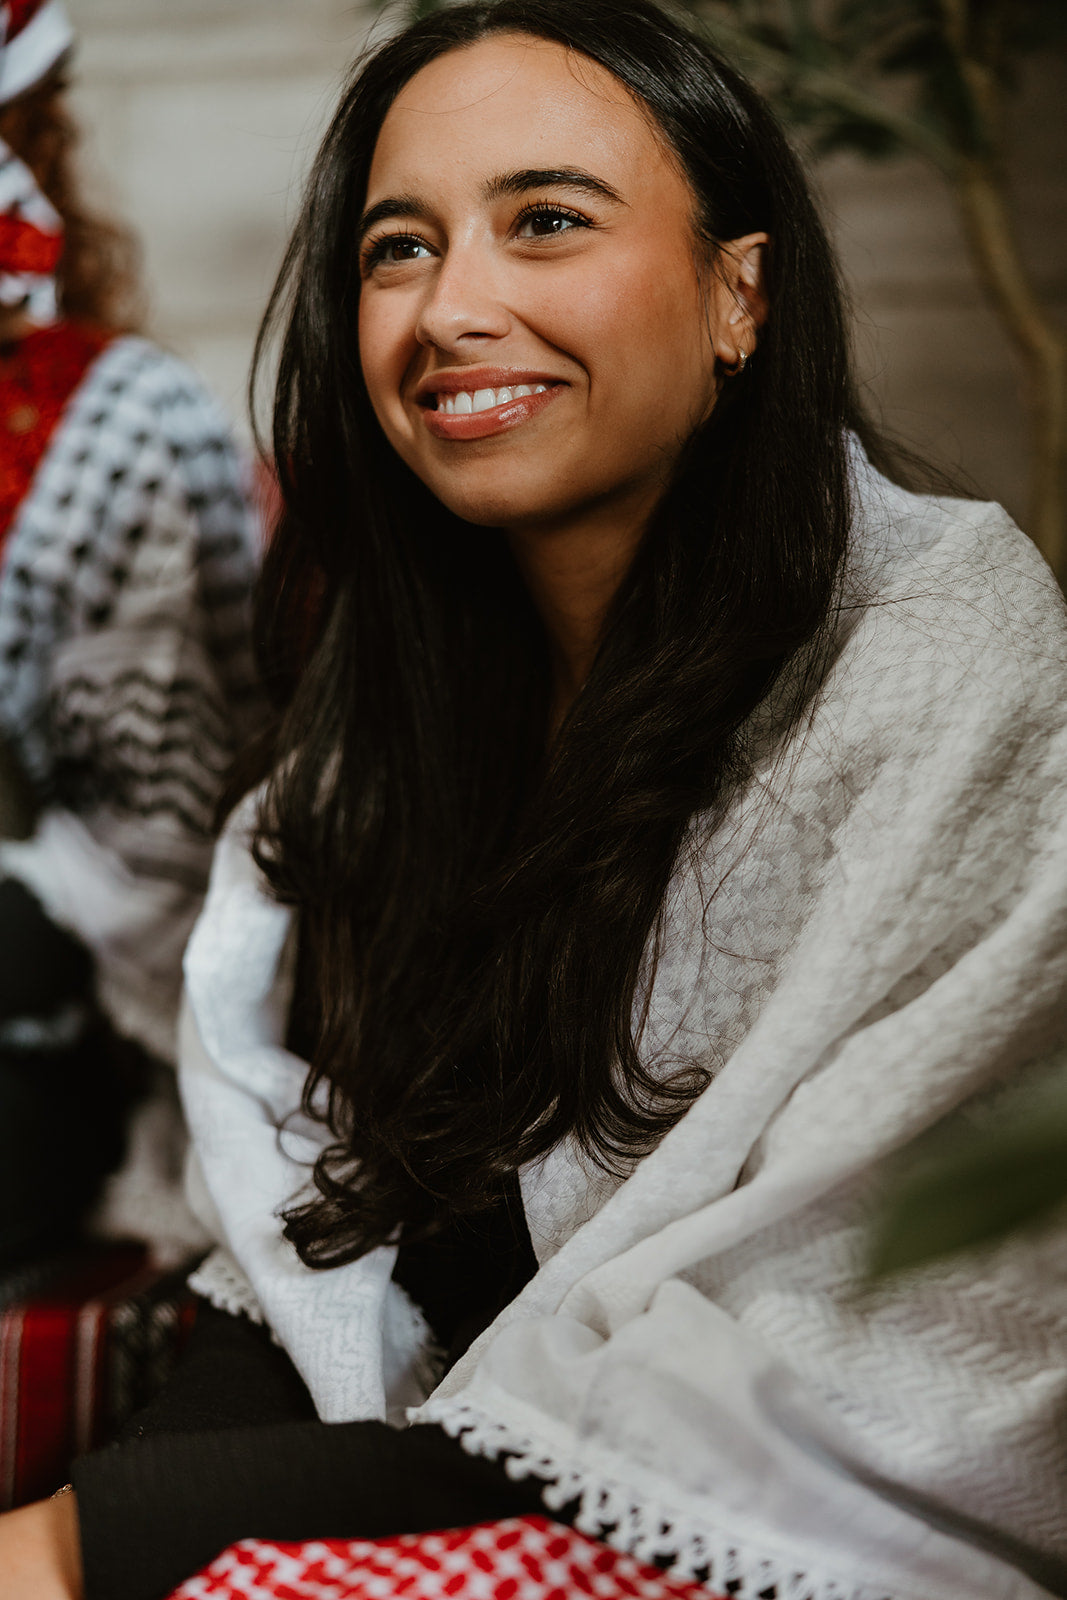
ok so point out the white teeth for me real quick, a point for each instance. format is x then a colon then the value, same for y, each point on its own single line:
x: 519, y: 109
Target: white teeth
x: 464, y: 402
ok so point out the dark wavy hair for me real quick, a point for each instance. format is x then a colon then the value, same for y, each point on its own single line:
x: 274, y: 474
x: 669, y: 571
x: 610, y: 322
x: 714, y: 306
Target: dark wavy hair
x: 99, y: 275
x: 478, y: 919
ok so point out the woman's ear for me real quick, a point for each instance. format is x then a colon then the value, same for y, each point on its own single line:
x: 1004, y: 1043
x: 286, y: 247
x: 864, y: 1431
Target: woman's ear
x: 741, y: 300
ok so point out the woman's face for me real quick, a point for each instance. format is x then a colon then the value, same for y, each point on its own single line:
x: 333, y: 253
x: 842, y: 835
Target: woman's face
x: 526, y: 231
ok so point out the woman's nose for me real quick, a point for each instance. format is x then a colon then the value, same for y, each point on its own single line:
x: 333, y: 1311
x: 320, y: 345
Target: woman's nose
x: 465, y: 302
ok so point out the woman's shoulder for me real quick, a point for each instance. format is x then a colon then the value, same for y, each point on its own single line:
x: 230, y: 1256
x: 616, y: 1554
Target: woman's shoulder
x: 137, y: 384
x: 234, y: 865
x: 959, y: 568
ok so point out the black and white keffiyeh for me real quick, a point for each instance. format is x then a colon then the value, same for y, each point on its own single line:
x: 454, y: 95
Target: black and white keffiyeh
x: 126, y: 678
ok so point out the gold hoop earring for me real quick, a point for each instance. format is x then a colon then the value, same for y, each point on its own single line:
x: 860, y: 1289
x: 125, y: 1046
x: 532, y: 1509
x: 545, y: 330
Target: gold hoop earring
x: 738, y: 367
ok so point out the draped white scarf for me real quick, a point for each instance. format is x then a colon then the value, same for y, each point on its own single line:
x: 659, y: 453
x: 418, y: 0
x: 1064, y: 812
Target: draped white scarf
x: 873, y: 935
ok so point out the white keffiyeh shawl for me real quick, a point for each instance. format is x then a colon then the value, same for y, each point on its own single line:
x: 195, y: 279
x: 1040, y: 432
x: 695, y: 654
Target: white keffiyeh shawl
x: 885, y: 940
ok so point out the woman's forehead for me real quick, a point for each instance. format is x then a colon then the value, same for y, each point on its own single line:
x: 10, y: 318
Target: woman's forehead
x: 501, y: 64
x: 510, y: 92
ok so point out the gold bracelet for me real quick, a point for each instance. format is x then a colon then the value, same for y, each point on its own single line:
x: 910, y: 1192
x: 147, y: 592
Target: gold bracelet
x: 68, y: 1488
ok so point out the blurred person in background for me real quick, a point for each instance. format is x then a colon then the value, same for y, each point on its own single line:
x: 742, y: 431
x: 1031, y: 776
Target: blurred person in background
x: 126, y: 562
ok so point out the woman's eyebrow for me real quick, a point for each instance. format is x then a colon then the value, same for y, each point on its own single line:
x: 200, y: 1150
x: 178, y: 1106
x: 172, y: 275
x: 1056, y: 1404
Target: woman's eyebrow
x: 526, y: 178
x: 498, y: 188
x: 400, y: 205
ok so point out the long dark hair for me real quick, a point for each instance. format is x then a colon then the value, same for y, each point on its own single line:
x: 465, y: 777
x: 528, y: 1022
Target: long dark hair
x: 478, y: 920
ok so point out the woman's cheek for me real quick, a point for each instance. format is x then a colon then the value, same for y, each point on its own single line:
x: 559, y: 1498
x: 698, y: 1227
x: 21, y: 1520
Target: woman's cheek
x: 384, y: 328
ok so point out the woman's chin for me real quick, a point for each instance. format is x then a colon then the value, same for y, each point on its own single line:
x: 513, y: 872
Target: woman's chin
x: 493, y: 509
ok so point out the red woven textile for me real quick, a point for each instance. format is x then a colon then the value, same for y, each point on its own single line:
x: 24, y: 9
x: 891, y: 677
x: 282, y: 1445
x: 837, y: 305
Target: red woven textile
x: 524, y: 1558
x: 83, y: 1345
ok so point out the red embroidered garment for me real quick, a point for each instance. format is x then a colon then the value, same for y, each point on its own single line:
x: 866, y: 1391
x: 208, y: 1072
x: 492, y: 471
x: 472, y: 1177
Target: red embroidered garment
x: 524, y: 1558
x: 38, y: 375
x: 24, y: 248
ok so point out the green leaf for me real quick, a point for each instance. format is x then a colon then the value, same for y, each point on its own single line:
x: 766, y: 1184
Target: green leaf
x: 971, y: 1187
x: 868, y: 139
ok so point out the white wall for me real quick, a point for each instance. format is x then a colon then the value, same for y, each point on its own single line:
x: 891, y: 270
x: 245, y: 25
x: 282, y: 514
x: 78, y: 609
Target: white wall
x: 202, y: 116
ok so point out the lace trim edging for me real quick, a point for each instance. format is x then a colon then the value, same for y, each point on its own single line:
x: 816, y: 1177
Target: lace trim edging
x: 221, y: 1281
x: 650, y: 1532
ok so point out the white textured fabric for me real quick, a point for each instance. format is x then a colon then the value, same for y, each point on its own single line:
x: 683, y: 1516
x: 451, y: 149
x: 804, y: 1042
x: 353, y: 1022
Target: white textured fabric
x: 874, y: 934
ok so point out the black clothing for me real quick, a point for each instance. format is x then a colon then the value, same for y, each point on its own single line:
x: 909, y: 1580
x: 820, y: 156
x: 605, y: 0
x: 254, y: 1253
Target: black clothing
x: 231, y: 1375
x: 62, y: 1088
x: 42, y: 966
x: 232, y: 1449
x: 463, y: 1276
x: 153, y: 1515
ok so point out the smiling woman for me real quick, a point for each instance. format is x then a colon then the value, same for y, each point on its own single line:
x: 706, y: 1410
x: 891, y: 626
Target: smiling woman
x: 662, y: 823
x: 585, y: 283
x: 495, y: 688
x: 543, y: 313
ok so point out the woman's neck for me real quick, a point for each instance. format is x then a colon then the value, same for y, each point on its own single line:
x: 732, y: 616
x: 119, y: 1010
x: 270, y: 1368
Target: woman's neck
x: 572, y: 574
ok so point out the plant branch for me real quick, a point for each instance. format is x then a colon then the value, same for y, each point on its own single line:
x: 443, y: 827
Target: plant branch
x: 980, y: 193
x: 980, y: 71
x: 820, y: 84
x: 980, y: 187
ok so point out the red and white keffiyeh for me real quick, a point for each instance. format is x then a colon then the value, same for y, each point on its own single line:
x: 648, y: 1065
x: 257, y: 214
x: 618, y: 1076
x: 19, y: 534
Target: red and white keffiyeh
x: 33, y: 37
x: 31, y: 242
x: 523, y: 1558
x: 35, y: 34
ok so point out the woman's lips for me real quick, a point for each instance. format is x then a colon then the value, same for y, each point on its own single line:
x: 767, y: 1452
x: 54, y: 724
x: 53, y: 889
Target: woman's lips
x: 497, y: 419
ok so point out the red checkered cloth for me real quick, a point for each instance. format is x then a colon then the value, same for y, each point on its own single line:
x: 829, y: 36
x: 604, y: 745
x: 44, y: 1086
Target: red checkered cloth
x: 524, y: 1558
x: 84, y: 1342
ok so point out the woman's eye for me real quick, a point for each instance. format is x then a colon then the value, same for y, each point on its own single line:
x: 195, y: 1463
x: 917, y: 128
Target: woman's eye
x: 541, y: 222
x: 393, y: 249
